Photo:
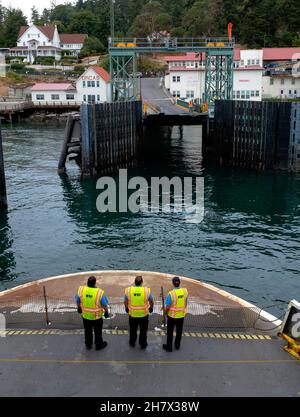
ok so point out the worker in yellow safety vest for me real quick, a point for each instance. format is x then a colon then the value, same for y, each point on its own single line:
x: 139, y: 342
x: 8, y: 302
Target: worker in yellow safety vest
x: 138, y: 303
x: 175, y: 308
x: 92, y: 303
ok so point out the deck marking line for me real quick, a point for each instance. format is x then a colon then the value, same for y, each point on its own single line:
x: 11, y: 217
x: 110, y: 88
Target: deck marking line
x: 149, y: 362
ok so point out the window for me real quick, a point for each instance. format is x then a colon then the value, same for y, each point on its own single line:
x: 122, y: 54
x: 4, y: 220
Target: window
x: 257, y: 93
x: 282, y: 81
x: 293, y: 81
x: 70, y: 96
x: 93, y: 83
x: 271, y: 81
x: 84, y: 97
x: 282, y: 92
x: 40, y: 97
x: 89, y: 84
x: 238, y: 94
x: 174, y: 79
x: 178, y: 79
x: 98, y: 97
x: 243, y: 94
x: 190, y: 94
x: 249, y: 62
x: 253, y: 62
x: 54, y: 96
x: 83, y: 83
x: 98, y: 83
x: 252, y: 93
x: 242, y: 62
x: 247, y: 94
x: 257, y: 62
x: 234, y: 95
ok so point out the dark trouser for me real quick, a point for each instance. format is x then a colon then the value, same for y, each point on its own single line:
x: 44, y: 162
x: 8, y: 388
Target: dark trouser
x: 143, y: 324
x: 172, y: 323
x: 89, y: 326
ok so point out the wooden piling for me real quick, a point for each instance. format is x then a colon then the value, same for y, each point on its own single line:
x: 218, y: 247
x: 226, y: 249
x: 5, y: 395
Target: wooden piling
x: 3, y: 196
x: 67, y: 140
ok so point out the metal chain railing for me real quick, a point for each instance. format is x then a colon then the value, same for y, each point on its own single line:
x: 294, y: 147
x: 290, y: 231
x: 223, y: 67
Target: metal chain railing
x: 43, y: 311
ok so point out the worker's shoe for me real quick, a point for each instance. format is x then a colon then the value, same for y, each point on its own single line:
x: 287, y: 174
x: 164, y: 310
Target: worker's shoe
x: 102, y: 346
x: 143, y: 347
x: 88, y: 347
x: 166, y: 348
x: 177, y: 347
x: 132, y: 344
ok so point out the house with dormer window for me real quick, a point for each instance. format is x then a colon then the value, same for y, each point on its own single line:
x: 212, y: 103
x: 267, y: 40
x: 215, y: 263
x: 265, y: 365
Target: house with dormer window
x: 45, y: 41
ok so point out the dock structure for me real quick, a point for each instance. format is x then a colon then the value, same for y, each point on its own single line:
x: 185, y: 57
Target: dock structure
x: 18, y: 110
x: 219, y: 57
x: 106, y: 138
x: 257, y: 135
x: 3, y: 196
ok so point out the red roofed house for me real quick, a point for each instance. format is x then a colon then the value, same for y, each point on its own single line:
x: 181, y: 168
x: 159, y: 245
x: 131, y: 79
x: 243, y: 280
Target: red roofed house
x: 93, y: 86
x: 53, y: 94
x: 45, y: 41
x: 186, y: 78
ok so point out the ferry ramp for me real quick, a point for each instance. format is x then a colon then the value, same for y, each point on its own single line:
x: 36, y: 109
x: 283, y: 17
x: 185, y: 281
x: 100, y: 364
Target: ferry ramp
x: 47, y: 365
x: 229, y: 347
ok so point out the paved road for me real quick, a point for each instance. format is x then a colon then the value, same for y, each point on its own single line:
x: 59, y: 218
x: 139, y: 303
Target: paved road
x: 59, y: 365
x: 155, y: 95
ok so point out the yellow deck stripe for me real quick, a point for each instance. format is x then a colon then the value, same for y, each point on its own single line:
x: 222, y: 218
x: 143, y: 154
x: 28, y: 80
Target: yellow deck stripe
x: 228, y: 336
x: 149, y: 362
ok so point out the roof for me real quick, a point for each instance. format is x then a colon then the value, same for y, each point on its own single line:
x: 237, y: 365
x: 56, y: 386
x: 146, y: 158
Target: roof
x: 101, y: 71
x: 189, y: 56
x: 47, y: 30
x: 250, y: 68
x: 72, y: 38
x: 280, y: 54
x: 237, y: 54
x: 49, y: 47
x: 52, y: 87
x: 19, y: 48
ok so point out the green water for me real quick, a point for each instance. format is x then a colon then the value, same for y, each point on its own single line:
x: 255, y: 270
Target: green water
x: 248, y: 244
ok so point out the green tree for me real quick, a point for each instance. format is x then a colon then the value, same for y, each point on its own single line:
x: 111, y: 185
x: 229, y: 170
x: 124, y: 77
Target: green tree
x: 62, y: 13
x: 35, y: 17
x: 83, y: 22
x: 92, y: 46
x: 13, y: 20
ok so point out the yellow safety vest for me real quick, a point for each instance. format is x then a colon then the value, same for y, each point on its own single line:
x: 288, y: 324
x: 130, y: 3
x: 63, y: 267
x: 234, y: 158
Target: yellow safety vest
x: 138, y: 301
x: 90, y: 302
x: 179, y: 303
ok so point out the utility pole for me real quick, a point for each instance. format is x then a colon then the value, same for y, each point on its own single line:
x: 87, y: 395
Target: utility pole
x: 3, y: 197
x: 112, y: 18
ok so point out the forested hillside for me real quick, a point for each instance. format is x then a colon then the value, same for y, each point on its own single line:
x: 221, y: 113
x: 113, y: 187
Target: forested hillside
x: 257, y: 23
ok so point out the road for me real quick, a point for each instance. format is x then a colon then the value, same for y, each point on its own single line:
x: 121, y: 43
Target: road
x: 155, y: 95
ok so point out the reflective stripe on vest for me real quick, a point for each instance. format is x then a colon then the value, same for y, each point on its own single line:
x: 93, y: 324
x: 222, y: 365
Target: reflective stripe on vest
x: 90, y: 299
x: 178, y: 306
x: 138, y: 301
